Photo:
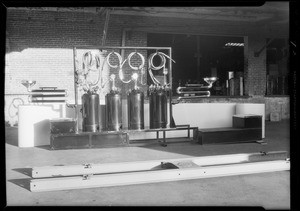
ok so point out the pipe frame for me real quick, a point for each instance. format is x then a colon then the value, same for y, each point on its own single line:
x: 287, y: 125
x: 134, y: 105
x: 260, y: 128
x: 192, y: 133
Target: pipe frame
x: 121, y: 48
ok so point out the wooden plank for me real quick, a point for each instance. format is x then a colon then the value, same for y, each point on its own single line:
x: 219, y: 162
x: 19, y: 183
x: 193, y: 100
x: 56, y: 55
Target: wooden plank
x: 79, y: 182
x: 51, y: 171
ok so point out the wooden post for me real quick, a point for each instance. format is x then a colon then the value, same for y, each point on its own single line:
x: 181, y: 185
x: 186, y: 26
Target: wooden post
x: 76, y: 90
x: 198, y: 56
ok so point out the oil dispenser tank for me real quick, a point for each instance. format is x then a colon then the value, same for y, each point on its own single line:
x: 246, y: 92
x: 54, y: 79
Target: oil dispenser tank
x: 135, y: 100
x: 90, y: 112
x: 114, y: 110
x: 158, y: 109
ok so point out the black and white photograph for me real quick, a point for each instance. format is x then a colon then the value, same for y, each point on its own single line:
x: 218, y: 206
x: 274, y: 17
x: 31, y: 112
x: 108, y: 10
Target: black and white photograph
x: 148, y: 105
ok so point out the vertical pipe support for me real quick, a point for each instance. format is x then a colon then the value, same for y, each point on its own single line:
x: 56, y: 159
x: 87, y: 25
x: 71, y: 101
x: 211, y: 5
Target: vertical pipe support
x: 76, y: 91
x: 170, y: 91
x: 105, y: 26
x: 123, y: 42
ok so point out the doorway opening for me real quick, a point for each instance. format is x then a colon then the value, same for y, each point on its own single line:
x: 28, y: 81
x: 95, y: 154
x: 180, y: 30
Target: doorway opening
x: 199, y: 56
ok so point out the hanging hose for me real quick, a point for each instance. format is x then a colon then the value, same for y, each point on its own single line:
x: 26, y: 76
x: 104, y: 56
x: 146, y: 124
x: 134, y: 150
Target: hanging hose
x: 88, y: 61
x: 151, y: 66
x: 98, y: 62
x: 119, y: 59
x: 120, y: 65
x: 141, y: 67
x: 142, y: 58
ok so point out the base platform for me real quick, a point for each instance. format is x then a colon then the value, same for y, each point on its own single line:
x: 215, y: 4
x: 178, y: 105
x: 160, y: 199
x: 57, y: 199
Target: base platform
x: 85, y: 140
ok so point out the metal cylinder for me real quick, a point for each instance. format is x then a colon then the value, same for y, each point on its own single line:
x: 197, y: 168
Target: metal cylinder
x: 114, y: 111
x: 135, y: 106
x: 158, y: 109
x: 90, y: 112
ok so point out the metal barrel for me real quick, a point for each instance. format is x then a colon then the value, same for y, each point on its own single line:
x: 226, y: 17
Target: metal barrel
x: 135, y: 106
x: 114, y: 111
x: 90, y: 112
x: 158, y: 109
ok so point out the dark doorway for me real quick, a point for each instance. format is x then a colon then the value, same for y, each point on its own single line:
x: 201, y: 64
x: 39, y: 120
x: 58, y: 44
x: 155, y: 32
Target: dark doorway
x: 199, y: 56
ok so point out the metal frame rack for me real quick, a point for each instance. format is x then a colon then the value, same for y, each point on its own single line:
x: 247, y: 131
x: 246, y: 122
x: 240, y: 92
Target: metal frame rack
x: 169, y: 49
x: 171, y: 126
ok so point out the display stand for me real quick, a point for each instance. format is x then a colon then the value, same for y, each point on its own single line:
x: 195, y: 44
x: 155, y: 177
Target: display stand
x: 66, y: 140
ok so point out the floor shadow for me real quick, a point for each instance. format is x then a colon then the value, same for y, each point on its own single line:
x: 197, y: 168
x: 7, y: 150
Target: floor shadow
x: 24, y: 183
x: 11, y: 135
x: 192, y: 148
x: 45, y: 147
x: 26, y: 171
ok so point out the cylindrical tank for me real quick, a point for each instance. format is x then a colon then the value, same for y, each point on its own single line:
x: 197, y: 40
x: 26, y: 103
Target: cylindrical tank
x: 135, y: 105
x: 90, y: 112
x: 114, y: 111
x: 158, y: 109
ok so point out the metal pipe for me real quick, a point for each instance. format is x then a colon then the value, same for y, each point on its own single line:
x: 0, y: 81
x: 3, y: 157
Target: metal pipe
x: 123, y: 42
x: 105, y: 26
x: 76, y: 92
x: 170, y: 90
x: 194, y: 97
x: 123, y: 47
x: 191, y: 88
x: 180, y: 90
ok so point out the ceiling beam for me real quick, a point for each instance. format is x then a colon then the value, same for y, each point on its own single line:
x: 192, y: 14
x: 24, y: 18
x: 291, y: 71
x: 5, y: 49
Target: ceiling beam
x: 211, y: 14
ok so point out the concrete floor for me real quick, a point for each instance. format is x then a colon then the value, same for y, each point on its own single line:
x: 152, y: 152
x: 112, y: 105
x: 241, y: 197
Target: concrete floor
x: 270, y: 190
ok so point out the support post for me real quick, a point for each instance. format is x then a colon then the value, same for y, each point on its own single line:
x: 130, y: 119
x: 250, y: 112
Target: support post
x: 198, y: 56
x: 105, y: 26
x: 76, y: 91
x: 171, y: 121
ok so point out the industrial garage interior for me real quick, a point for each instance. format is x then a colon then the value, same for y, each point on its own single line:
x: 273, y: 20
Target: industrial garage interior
x: 148, y: 106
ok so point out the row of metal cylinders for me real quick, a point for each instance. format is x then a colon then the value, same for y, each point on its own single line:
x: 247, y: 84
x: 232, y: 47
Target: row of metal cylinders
x: 135, y: 109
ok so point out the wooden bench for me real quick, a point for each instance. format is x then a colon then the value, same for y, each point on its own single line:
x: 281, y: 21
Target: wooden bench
x: 246, y: 128
x: 228, y: 135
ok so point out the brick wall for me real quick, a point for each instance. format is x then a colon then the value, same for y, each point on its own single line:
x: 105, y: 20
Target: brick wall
x: 40, y: 47
x: 255, y: 66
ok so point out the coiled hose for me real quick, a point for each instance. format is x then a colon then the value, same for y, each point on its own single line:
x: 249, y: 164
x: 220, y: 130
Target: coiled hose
x: 141, y: 67
x: 88, y: 60
x: 151, y: 66
x: 120, y: 65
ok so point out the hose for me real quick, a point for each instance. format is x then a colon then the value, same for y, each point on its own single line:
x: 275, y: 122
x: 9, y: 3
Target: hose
x: 151, y: 66
x: 88, y: 60
x: 120, y: 65
x: 142, y: 58
x: 141, y: 67
x: 119, y: 59
x: 87, y: 63
x: 162, y: 64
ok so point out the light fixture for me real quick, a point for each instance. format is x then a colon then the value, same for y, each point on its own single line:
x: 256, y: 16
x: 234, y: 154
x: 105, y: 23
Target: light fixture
x: 234, y: 44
